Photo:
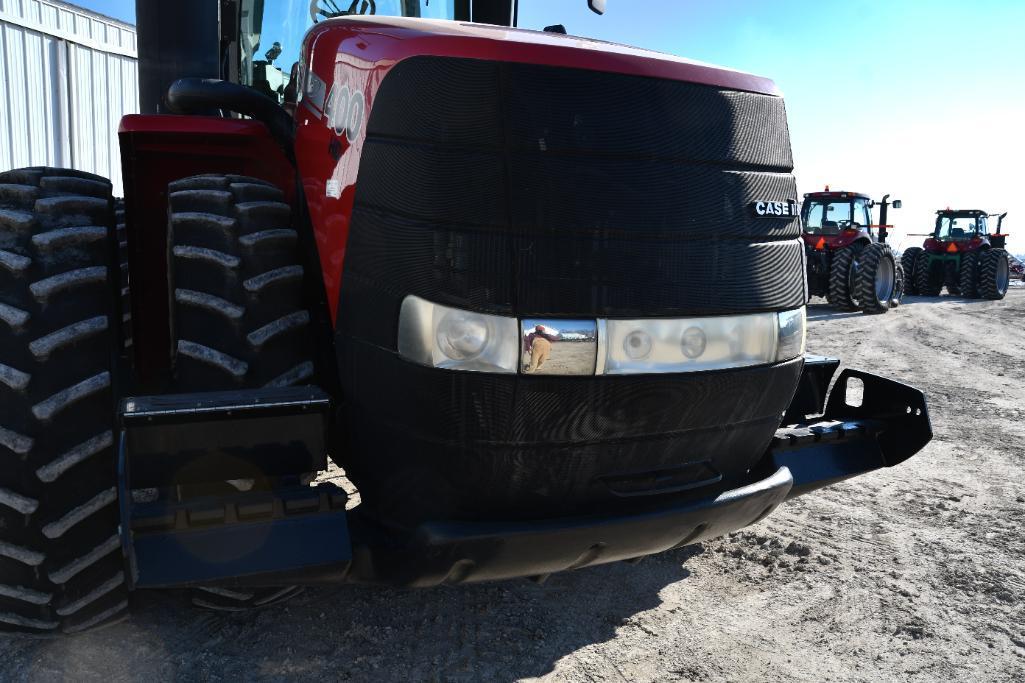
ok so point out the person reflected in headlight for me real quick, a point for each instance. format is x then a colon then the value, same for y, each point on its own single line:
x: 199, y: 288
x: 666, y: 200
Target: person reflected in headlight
x: 538, y: 344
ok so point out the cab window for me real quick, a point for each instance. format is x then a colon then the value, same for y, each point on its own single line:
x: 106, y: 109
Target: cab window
x: 862, y: 214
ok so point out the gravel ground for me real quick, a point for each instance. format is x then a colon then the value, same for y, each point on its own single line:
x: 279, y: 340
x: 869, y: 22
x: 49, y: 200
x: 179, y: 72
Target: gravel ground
x: 914, y: 573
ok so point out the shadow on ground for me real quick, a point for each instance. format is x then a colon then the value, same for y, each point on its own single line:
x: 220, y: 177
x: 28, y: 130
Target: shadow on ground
x: 827, y: 312
x: 499, y: 631
x: 823, y: 311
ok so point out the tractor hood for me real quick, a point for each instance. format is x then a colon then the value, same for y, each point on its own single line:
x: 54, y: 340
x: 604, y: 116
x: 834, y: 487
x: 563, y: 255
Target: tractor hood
x: 394, y: 38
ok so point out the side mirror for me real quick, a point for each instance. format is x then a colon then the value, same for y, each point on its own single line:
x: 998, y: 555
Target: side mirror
x: 597, y: 6
x: 896, y: 203
x: 871, y: 203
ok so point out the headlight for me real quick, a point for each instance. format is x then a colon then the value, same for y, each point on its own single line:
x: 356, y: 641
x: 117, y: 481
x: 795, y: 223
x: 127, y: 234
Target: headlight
x: 690, y: 344
x: 443, y: 337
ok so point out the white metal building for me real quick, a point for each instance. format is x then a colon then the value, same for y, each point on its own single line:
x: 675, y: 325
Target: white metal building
x: 67, y: 75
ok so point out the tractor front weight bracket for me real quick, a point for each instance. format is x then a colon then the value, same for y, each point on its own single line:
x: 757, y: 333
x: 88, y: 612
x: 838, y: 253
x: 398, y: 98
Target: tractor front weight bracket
x: 212, y: 489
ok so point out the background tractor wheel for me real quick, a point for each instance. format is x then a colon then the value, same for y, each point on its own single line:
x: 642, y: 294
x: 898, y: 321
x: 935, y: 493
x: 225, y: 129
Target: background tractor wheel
x: 239, y: 318
x: 841, y: 278
x: 876, y: 280
x: 969, y: 275
x: 994, y: 274
x: 928, y: 276
x: 899, y: 285
x: 907, y: 261
x: 61, y: 567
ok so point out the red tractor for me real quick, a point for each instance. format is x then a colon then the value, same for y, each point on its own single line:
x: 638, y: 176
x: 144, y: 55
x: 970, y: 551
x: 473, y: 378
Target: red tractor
x: 355, y: 272
x: 849, y: 262
x: 961, y: 255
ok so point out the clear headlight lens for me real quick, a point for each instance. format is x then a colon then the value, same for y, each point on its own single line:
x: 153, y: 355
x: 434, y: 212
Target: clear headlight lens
x: 462, y: 335
x: 442, y: 337
x: 694, y: 342
x: 637, y: 345
x: 691, y: 344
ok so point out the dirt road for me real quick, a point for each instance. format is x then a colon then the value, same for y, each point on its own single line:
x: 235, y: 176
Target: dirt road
x: 915, y: 573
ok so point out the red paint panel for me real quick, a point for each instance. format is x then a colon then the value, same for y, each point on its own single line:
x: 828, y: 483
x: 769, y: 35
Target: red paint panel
x: 834, y: 241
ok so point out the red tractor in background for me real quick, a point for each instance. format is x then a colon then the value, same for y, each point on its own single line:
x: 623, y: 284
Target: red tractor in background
x: 961, y: 255
x: 849, y: 262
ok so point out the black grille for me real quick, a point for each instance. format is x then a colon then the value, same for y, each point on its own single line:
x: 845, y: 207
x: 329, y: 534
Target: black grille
x: 532, y: 190
x: 538, y: 191
x: 440, y: 444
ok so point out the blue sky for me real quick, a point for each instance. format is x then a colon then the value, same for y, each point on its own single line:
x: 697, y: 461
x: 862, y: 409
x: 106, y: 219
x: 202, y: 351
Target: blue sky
x: 921, y: 99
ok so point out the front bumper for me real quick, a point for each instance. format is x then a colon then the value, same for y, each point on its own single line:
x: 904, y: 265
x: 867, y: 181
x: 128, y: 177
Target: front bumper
x: 463, y: 552
x: 315, y: 541
x: 889, y: 425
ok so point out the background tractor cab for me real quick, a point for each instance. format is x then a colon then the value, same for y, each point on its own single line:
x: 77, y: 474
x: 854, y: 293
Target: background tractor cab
x: 962, y: 255
x: 848, y: 260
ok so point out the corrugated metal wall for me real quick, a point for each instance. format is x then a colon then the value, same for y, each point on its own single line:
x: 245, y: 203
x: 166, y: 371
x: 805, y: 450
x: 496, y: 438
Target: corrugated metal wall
x: 67, y: 76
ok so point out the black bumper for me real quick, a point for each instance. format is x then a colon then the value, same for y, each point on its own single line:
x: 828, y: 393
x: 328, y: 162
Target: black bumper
x: 889, y: 424
x: 463, y: 552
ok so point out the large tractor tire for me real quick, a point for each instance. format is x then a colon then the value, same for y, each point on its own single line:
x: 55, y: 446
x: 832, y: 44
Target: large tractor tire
x: 928, y: 276
x: 61, y: 566
x: 236, y: 281
x: 994, y: 274
x: 908, y: 261
x: 238, y: 318
x: 968, y: 275
x: 876, y: 281
x: 121, y: 233
x: 842, y: 278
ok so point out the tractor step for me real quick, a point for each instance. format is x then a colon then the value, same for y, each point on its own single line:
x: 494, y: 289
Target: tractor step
x: 177, y: 439
x: 884, y: 426
x: 246, y: 538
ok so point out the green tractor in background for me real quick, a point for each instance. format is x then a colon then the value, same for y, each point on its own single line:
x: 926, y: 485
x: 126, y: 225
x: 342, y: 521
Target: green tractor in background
x: 961, y: 255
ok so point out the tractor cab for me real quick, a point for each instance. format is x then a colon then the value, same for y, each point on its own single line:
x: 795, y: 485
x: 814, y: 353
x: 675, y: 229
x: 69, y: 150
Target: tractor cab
x: 964, y: 230
x: 833, y: 220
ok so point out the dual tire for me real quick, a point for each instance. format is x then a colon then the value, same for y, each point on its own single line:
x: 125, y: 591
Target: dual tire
x: 239, y: 321
x: 61, y: 565
x: 865, y: 277
x: 908, y: 261
x: 994, y: 274
x: 979, y: 274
